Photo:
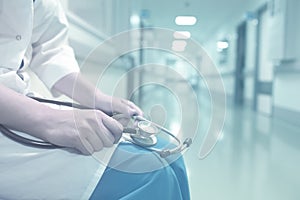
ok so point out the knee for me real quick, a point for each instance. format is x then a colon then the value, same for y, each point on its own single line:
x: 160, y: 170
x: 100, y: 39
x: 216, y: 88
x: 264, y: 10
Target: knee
x: 132, y: 159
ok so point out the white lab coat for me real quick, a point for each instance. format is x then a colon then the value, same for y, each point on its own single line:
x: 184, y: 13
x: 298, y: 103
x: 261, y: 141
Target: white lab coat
x: 37, y: 34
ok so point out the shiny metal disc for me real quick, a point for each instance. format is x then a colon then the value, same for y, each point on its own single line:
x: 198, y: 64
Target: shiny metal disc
x: 144, y: 141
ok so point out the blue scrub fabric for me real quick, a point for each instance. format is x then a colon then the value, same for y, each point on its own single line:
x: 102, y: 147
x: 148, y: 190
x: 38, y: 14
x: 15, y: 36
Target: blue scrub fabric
x: 135, y: 173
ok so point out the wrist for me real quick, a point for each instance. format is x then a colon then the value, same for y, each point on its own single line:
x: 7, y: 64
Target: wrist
x: 43, y: 120
x: 103, y: 102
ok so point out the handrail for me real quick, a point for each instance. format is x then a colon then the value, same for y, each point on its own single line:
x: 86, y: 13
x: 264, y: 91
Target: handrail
x: 286, y: 69
x: 77, y: 21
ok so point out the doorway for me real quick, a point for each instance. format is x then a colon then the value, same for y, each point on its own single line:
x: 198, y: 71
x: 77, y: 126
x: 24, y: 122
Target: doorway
x: 240, y: 64
x: 263, y: 83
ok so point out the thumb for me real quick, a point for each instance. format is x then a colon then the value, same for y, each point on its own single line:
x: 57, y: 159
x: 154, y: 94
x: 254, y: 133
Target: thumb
x: 114, y: 127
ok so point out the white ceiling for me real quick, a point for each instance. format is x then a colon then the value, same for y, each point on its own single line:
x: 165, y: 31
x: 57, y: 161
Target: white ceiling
x: 212, y: 15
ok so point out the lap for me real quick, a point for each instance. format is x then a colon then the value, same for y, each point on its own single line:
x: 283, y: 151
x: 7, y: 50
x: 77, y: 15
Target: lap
x: 136, y: 173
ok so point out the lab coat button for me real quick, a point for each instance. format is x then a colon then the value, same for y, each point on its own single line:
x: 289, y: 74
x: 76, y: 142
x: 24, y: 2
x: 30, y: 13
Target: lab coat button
x: 18, y: 37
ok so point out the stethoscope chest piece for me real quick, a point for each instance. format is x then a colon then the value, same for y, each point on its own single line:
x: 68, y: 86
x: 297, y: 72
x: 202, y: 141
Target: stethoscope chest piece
x: 144, y: 134
x: 144, y: 141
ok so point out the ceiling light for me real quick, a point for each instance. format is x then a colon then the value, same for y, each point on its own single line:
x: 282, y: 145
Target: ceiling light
x: 222, y: 45
x: 182, y: 34
x: 185, y: 20
x: 134, y: 20
x: 178, y: 45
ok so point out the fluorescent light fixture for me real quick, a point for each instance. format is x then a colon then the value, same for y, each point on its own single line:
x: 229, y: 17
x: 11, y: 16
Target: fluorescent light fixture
x: 222, y: 45
x: 185, y: 20
x: 178, y: 45
x: 182, y: 34
x: 134, y: 20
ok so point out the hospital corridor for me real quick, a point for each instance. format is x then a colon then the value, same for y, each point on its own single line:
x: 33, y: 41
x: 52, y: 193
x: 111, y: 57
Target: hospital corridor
x: 136, y: 99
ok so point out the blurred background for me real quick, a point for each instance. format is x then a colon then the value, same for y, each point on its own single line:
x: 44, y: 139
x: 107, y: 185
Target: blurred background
x: 255, y: 45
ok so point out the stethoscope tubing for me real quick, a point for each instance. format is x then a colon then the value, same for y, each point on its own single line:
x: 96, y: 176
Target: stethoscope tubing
x: 166, y: 152
x: 26, y: 141
x: 46, y: 145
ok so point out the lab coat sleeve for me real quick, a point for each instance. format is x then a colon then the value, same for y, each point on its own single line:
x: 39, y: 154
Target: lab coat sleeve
x: 52, y: 57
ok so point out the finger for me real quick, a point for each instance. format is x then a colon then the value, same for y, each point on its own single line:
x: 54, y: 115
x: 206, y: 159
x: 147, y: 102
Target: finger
x: 85, y: 147
x: 133, y: 112
x: 114, y: 127
x: 106, y: 137
x: 122, y: 119
x: 95, y: 141
x: 138, y: 111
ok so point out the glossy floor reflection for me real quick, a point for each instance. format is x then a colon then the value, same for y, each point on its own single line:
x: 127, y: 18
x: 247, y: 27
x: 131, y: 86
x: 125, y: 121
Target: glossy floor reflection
x: 257, y: 158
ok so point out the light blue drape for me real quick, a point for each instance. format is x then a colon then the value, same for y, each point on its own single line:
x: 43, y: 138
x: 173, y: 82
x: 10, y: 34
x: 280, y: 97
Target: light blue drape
x: 136, y: 173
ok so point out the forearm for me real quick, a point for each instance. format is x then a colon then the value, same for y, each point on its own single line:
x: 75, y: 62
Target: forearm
x: 81, y: 90
x: 85, y: 130
x: 22, y: 113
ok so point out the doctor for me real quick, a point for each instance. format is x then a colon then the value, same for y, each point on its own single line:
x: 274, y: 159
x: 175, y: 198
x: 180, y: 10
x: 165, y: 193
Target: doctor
x: 34, y: 34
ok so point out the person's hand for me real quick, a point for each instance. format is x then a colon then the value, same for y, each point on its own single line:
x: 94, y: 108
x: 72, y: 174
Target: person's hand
x: 126, y: 107
x: 87, y: 131
x: 113, y: 105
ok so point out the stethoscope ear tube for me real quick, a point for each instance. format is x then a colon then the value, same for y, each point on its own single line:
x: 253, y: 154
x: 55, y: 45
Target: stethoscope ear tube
x: 167, y: 152
x: 133, y: 132
x: 181, y: 147
x: 37, y: 143
x: 26, y: 141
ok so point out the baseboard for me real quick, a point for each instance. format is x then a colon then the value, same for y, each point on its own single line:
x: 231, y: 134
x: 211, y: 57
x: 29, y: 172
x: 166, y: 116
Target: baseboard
x: 287, y: 115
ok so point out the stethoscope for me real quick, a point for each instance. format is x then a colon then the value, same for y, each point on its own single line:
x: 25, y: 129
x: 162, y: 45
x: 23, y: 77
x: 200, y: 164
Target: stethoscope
x: 143, y: 135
